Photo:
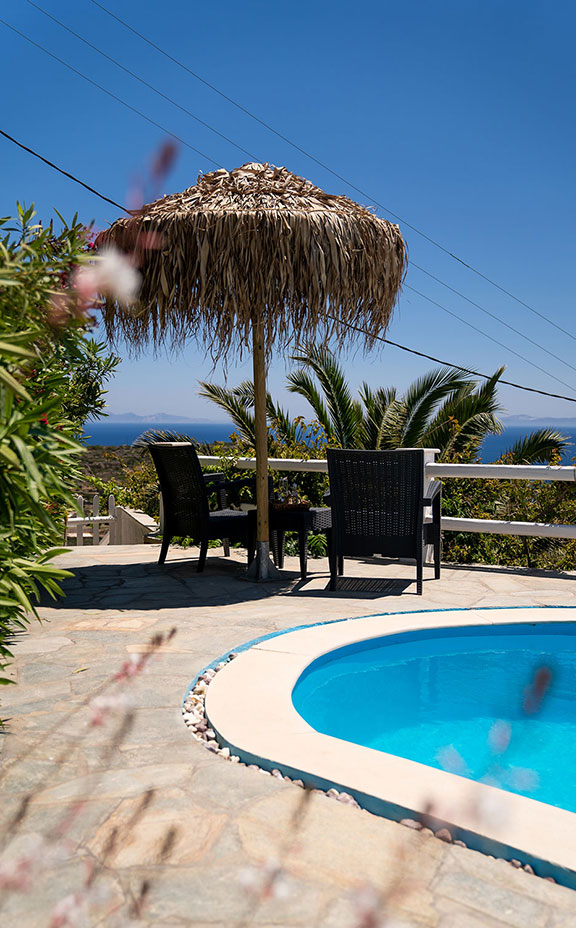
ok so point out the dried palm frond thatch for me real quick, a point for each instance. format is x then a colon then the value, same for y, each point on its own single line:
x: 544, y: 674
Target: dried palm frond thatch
x: 257, y: 243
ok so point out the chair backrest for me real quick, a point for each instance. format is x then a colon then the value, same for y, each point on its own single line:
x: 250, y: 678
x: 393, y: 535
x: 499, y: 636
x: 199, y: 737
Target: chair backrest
x: 183, y: 487
x: 376, y: 499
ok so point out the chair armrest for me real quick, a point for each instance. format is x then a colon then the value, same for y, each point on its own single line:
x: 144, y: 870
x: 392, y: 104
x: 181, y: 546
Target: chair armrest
x: 434, y: 490
x: 209, y: 478
x: 240, y: 482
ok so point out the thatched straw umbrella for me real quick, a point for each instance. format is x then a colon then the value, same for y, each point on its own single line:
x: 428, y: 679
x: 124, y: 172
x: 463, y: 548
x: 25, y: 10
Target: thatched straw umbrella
x: 253, y: 257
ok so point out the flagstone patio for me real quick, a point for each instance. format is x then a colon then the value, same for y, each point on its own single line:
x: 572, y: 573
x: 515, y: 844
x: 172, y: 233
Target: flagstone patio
x: 222, y: 817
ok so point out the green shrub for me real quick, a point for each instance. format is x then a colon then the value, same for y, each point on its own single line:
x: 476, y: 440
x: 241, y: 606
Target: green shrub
x: 51, y: 375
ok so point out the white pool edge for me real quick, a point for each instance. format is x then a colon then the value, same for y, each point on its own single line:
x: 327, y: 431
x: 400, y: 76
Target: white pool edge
x: 249, y: 706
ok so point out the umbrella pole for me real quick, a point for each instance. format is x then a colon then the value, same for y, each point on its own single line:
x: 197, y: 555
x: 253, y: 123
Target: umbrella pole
x: 262, y: 567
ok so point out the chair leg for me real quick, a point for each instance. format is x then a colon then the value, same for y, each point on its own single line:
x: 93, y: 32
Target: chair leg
x: 333, y: 561
x: 303, y: 551
x: 202, y: 555
x: 164, y: 548
x: 226, y: 546
x: 251, y: 549
x: 419, y: 571
x: 340, y: 566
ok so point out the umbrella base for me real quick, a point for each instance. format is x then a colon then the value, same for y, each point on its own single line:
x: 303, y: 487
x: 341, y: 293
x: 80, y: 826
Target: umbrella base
x: 262, y: 570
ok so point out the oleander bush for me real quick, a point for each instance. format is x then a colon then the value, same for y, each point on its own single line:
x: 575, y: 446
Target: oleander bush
x: 51, y: 380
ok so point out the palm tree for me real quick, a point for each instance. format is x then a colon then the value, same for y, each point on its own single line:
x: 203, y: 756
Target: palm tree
x: 445, y: 409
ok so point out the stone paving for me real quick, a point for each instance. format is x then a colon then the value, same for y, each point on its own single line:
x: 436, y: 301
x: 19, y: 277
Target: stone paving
x: 223, y: 818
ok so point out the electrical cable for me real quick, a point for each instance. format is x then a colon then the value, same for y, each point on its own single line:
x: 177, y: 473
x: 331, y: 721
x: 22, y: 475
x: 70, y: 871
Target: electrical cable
x: 322, y: 164
x: 467, y: 370
x: 62, y: 171
x: 141, y: 80
x: 490, y: 337
x: 110, y: 94
x: 349, y: 325
x: 251, y: 155
x: 492, y: 315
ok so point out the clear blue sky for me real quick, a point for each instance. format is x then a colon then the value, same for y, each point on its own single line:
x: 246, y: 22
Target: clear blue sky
x: 458, y: 116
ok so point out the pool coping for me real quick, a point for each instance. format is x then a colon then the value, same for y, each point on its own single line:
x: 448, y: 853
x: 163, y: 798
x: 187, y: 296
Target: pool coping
x: 249, y: 706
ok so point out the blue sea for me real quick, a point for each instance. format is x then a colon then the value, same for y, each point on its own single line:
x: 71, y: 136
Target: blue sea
x: 124, y: 433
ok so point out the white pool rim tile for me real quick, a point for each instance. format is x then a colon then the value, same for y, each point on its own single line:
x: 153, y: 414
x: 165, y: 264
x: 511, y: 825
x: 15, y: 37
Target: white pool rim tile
x: 249, y: 706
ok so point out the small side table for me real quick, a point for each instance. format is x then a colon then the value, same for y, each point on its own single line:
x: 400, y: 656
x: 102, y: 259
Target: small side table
x: 302, y: 521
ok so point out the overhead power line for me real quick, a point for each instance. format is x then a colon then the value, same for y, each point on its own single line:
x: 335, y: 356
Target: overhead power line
x: 490, y: 337
x: 62, y: 171
x: 194, y: 116
x: 110, y: 94
x: 492, y: 315
x: 349, y: 325
x: 141, y: 80
x: 467, y: 370
x: 334, y: 173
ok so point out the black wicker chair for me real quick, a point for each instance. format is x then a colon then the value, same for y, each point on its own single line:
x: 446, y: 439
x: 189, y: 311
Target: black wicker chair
x: 377, y: 500
x: 185, y: 492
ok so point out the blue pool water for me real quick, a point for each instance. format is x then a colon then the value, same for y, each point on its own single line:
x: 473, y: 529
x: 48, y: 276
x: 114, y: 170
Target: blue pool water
x: 417, y: 694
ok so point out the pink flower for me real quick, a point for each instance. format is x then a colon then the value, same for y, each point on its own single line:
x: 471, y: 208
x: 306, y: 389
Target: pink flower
x: 132, y: 667
x: 19, y: 861
x: 111, y: 274
x: 499, y: 737
x: 102, y: 706
x: 267, y: 880
x: 69, y: 911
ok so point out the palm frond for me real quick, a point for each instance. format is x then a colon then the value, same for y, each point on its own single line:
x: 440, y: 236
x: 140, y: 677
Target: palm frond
x: 237, y: 406
x: 299, y: 381
x: 375, y: 428
x: 469, y: 417
x: 538, y: 447
x: 345, y: 413
x: 285, y: 429
x: 423, y: 397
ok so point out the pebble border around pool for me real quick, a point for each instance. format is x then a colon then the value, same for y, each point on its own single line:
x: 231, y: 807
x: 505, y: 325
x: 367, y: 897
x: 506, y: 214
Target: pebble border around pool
x: 551, y: 867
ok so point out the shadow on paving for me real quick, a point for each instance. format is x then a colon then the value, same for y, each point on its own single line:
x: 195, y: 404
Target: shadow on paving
x: 178, y: 584
x: 173, y: 586
x: 356, y: 588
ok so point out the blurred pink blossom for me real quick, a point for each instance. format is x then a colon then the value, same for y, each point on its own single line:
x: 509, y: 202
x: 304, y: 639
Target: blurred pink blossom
x: 68, y: 912
x: 499, y: 736
x: 112, y: 274
x: 267, y: 880
x: 19, y: 862
x: 131, y: 667
x: 111, y: 704
x: 450, y: 759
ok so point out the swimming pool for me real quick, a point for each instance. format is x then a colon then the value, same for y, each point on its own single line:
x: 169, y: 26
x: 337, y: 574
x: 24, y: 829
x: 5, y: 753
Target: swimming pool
x: 250, y: 705
x: 454, y: 699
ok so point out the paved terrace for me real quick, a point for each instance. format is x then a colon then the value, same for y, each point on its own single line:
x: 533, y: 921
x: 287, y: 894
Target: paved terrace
x: 228, y: 817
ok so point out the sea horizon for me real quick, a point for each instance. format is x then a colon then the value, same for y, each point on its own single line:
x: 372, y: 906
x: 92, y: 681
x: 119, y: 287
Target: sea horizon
x: 117, y: 434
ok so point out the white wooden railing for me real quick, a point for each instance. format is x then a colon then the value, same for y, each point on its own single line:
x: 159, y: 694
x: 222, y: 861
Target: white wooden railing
x: 94, y: 521
x: 433, y: 470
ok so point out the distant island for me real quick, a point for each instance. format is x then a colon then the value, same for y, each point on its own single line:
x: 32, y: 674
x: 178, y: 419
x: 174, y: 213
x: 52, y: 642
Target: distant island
x: 170, y: 417
x: 531, y: 422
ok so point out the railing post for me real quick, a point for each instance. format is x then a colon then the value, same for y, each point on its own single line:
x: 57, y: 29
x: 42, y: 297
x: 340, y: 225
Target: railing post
x: 95, y: 525
x: 80, y: 526
x: 113, y: 525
